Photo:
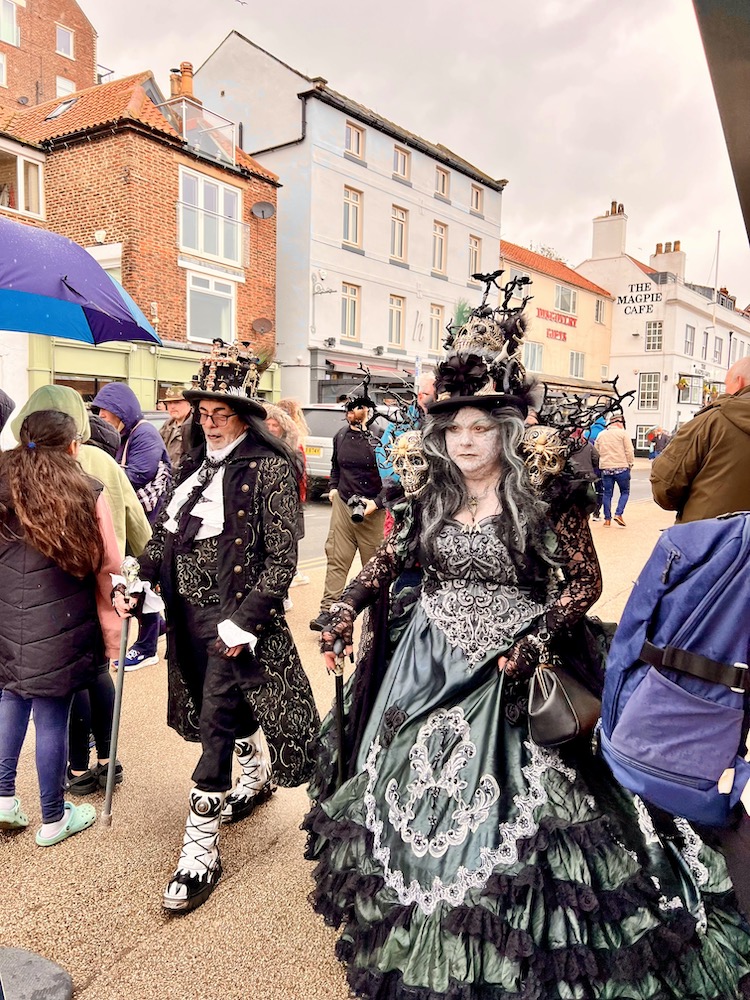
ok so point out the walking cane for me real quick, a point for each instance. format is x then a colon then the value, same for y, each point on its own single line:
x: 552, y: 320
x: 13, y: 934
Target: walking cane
x: 338, y: 673
x: 130, y: 570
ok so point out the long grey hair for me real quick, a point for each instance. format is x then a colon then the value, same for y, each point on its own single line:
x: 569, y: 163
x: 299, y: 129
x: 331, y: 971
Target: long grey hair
x: 523, y: 523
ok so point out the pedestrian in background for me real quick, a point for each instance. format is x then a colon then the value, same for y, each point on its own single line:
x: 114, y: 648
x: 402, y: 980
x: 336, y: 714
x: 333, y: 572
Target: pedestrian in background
x: 354, y: 474
x: 282, y: 426
x: 143, y: 456
x: 57, y: 551
x: 705, y: 471
x: 93, y: 704
x: 6, y: 408
x: 614, y: 451
x: 176, y: 433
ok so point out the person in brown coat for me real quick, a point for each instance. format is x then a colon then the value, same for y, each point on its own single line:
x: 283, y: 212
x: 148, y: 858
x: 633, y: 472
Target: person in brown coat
x: 705, y: 469
x: 176, y: 433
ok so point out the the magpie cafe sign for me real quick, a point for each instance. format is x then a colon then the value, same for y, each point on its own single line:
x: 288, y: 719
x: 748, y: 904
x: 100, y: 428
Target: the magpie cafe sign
x: 640, y: 299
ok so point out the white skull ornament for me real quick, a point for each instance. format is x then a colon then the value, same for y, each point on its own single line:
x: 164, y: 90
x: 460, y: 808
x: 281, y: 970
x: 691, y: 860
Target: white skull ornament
x: 545, y: 453
x: 409, y: 463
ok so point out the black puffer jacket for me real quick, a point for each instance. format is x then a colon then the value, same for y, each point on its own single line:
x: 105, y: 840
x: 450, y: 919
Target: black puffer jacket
x: 50, y: 639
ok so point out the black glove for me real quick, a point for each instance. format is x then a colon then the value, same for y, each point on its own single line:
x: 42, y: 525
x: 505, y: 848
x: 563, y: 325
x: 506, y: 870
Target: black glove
x: 135, y: 601
x: 340, y: 626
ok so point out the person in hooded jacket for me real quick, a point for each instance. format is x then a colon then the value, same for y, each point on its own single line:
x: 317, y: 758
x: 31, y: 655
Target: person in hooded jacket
x: 93, y: 705
x: 705, y: 470
x: 144, y: 457
x: 57, y: 551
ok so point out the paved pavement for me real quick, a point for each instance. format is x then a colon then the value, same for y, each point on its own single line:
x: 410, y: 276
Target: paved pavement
x: 93, y: 903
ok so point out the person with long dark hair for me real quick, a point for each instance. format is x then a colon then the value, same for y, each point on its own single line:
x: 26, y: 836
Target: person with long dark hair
x: 224, y: 552
x: 57, y: 550
x: 460, y: 858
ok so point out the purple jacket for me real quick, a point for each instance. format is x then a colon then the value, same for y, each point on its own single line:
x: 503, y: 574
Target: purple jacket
x: 145, y: 448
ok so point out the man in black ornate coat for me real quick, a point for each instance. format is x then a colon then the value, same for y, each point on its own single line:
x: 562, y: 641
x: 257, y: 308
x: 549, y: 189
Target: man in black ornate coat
x: 224, y: 552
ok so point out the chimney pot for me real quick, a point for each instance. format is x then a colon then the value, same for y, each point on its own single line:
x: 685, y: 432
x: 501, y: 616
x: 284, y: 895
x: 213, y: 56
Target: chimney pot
x: 660, y: 248
x: 668, y: 248
x: 186, y: 79
x: 676, y: 246
x: 621, y: 209
x: 613, y: 208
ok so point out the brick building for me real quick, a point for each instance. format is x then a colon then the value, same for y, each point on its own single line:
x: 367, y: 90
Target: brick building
x: 47, y: 50
x: 570, y: 320
x: 158, y: 191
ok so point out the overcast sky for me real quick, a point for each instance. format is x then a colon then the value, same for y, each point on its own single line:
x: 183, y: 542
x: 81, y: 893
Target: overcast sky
x: 576, y: 102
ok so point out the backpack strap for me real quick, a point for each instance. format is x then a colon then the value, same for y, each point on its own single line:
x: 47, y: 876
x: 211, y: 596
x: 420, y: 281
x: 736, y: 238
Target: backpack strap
x: 731, y: 675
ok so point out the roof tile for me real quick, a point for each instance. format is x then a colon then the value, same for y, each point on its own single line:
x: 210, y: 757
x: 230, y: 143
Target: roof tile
x: 553, y: 268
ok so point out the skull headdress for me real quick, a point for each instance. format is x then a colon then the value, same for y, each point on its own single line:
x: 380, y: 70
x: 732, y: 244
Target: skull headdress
x: 409, y: 462
x: 546, y: 452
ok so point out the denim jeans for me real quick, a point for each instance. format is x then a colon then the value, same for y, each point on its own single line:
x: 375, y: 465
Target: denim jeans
x: 623, y: 482
x: 51, y: 724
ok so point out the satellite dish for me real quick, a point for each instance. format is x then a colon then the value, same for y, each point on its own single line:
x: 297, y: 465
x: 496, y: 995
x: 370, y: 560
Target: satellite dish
x: 263, y: 210
x: 262, y: 325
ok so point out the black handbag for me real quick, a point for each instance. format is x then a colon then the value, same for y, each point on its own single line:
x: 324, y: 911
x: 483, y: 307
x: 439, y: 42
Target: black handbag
x: 560, y: 707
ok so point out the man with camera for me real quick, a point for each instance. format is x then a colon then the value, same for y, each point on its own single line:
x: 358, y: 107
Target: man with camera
x: 357, y: 514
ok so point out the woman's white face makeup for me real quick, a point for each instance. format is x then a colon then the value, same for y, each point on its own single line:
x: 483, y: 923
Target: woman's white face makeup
x: 472, y: 441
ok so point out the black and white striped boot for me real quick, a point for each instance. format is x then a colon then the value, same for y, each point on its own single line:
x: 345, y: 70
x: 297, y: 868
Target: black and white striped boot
x: 255, y: 783
x: 199, y: 867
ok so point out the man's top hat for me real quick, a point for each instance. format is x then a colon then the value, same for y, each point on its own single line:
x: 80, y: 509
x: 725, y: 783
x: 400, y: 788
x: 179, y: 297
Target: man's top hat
x: 230, y: 375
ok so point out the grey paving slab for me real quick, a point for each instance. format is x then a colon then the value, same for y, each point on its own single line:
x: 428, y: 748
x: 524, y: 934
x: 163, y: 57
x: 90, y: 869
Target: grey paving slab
x: 26, y: 976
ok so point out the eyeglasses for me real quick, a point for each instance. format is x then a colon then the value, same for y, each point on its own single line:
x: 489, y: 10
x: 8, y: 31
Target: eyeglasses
x: 217, y: 419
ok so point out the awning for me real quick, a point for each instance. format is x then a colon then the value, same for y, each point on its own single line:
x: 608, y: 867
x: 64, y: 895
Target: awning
x: 350, y: 366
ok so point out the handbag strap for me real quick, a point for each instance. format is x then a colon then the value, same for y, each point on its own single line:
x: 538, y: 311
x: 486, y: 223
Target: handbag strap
x: 127, y: 443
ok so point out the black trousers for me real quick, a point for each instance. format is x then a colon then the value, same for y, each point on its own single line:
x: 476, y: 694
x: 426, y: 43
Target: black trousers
x: 216, y: 685
x: 734, y: 843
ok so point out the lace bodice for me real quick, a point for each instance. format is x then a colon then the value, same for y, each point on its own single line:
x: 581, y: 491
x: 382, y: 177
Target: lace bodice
x: 472, y: 593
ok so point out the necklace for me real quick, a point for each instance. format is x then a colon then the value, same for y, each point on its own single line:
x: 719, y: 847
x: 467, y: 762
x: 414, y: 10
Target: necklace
x: 473, y: 500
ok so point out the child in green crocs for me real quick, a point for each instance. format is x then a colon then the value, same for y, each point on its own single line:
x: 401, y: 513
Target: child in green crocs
x: 57, y: 550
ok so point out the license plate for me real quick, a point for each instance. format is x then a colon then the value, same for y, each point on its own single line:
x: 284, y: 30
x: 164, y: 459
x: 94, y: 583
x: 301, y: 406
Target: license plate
x: 311, y: 449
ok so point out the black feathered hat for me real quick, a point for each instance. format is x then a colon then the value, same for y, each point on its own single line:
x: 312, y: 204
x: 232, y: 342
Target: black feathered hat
x: 483, y: 366
x: 229, y: 374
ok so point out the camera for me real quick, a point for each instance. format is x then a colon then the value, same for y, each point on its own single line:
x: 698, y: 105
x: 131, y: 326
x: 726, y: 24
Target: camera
x: 357, y: 506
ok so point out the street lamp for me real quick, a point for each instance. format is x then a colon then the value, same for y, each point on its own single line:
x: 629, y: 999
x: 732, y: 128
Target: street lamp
x: 317, y: 278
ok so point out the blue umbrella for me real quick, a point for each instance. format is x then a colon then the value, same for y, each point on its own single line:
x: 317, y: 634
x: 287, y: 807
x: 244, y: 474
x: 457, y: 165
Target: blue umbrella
x: 52, y: 286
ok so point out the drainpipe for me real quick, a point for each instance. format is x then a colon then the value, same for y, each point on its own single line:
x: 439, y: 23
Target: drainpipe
x: 292, y: 142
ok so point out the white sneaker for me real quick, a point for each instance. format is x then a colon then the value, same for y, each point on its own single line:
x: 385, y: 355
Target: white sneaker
x: 299, y: 580
x: 287, y: 604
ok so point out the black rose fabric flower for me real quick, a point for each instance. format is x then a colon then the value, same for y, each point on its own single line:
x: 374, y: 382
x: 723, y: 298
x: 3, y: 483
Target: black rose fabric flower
x: 461, y: 375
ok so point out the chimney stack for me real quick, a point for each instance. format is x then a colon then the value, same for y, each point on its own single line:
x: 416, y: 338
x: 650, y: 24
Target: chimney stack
x: 186, y: 77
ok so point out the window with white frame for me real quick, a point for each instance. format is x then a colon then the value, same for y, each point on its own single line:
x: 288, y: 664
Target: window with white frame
x: 399, y: 231
x: 475, y: 255
x: 689, y: 340
x: 211, y: 308
x: 20, y: 183
x: 599, y: 311
x: 654, y: 336
x: 733, y: 350
x: 718, y: 349
x: 210, y: 214
x: 690, y: 389
x: 396, y: 317
x: 442, y: 182
x: 642, y: 431
x: 532, y: 356
x: 605, y: 372
x: 477, y: 199
x: 64, y: 86
x: 64, y: 41
x: 3, y: 70
x: 437, y: 322
x: 704, y: 346
x: 649, y: 384
x: 401, y: 163
x: 352, y: 234
x: 576, y: 365
x: 566, y: 299
x: 439, y: 247
x: 518, y: 291
x: 9, y: 31
x: 350, y: 299
x: 354, y: 140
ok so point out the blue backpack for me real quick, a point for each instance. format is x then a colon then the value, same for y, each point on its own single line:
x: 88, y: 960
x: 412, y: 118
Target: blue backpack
x: 674, y: 709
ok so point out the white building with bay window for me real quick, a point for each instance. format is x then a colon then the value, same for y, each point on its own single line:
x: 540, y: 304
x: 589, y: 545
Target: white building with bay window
x: 672, y: 340
x: 379, y: 230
